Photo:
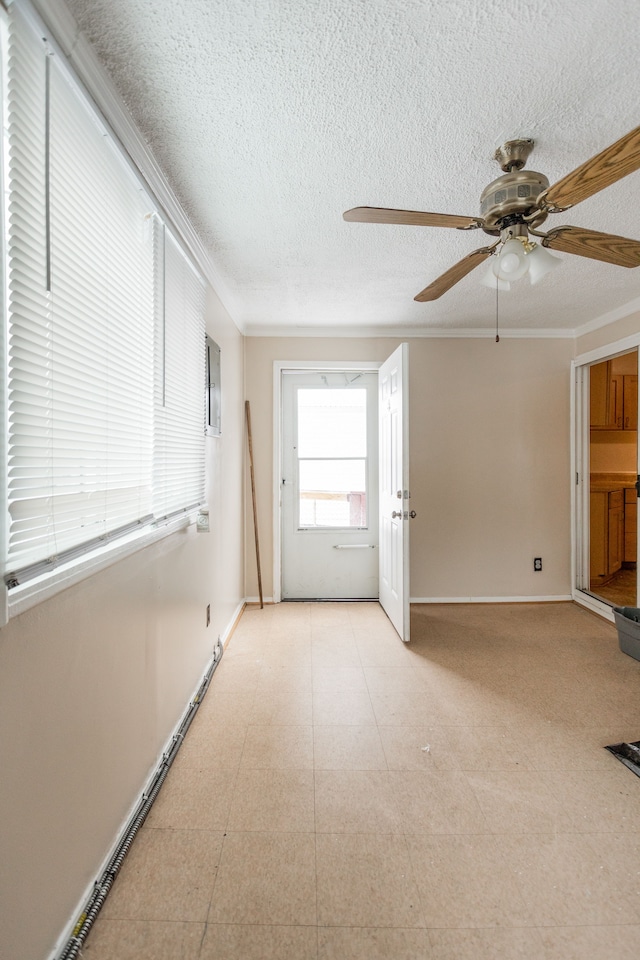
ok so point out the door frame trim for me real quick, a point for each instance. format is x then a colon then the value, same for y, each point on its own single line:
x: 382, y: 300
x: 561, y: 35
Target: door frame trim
x: 304, y: 366
x: 579, y: 452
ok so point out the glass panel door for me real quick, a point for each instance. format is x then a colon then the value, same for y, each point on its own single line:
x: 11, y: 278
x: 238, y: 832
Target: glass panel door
x: 613, y: 458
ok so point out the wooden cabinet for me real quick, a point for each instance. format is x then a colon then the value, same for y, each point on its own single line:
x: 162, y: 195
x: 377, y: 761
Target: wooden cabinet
x: 614, y: 398
x: 613, y: 391
x: 616, y: 401
x: 607, y: 535
x: 599, y: 381
x: 630, y: 526
x: 599, y: 530
x: 623, y: 401
x: 630, y: 402
x: 615, y: 539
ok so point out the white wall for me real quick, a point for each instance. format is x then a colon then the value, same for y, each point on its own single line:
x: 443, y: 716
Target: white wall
x: 93, y: 682
x: 490, y: 466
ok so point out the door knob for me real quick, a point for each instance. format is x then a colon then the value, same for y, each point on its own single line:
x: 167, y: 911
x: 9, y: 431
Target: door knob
x: 396, y: 514
x: 412, y: 514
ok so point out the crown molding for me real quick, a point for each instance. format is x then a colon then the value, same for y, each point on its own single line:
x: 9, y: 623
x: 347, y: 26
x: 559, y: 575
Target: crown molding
x: 439, y: 333
x: 619, y: 313
x: 79, y: 53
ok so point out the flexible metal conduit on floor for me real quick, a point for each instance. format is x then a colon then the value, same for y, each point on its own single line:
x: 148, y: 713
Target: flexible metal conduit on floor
x: 101, y: 888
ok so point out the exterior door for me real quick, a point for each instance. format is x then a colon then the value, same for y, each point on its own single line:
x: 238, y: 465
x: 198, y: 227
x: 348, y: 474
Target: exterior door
x: 329, y: 495
x: 395, y: 511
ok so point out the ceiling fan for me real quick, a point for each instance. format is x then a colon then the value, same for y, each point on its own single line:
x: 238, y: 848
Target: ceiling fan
x: 515, y: 205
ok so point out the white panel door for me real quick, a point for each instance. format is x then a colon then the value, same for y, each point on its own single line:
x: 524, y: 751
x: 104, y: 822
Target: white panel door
x: 393, y: 409
x: 329, y: 485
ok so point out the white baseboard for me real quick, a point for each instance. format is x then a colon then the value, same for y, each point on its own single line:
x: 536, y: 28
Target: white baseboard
x: 233, y: 623
x: 549, y: 599
x: 555, y: 598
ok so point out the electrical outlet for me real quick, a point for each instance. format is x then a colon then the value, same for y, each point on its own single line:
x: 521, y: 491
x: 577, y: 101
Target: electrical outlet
x: 537, y: 564
x: 208, y: 614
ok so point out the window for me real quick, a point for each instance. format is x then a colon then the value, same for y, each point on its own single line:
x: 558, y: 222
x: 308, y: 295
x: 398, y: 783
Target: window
x: 105, y: 327
x: 213, y: 394
x: 332, y: 457
x: 178, y: 479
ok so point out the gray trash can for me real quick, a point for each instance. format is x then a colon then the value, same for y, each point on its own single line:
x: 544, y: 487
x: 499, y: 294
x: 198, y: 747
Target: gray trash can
x: 628, y: 624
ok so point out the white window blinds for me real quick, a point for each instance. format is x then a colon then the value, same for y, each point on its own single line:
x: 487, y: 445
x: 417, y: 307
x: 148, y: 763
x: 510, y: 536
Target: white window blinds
x: 105, y: 426
x: 179, y: 478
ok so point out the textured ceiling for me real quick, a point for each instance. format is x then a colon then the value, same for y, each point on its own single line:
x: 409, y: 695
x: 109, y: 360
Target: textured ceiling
x: 272, y: 117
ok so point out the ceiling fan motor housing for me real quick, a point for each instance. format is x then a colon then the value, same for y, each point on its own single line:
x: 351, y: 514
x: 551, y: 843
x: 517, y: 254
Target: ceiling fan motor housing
x: 513, y: 194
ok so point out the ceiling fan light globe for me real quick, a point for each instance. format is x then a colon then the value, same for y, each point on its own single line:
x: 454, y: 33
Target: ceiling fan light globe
x: 541, y: 262
x: 491, y: 280
x: 509, y: 263
x: 512, y: 262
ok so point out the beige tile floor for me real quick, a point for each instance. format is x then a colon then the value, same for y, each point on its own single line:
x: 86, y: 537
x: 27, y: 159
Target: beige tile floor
x: 305, y: 819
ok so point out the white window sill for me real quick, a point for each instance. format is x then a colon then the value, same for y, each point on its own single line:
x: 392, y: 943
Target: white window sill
x: 27, y: 595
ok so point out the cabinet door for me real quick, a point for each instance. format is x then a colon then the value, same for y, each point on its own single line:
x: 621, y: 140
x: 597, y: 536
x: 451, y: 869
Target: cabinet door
x: 599, y: 375
x: 616, y: 532
x: 630, y: 526
x: 598, y: 534
x: 616, y: 401
x: 630, y: 402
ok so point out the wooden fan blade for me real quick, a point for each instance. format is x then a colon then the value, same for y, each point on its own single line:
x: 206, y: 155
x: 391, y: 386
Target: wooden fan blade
x: 597, y: 246
x: 459, y: 270
x: 412, y: 217
x: 621, y: 158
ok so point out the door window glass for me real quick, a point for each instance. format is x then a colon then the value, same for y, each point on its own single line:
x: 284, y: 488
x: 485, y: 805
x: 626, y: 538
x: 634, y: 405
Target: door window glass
x: 332, y: 457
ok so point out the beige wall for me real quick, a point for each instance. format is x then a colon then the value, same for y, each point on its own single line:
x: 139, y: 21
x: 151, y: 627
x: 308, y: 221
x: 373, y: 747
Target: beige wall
x: 93, y: 682
x: 490, y: 432
x: 609, y: 334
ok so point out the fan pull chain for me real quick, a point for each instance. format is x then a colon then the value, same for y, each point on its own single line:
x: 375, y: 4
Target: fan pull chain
x: 497, y: 289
